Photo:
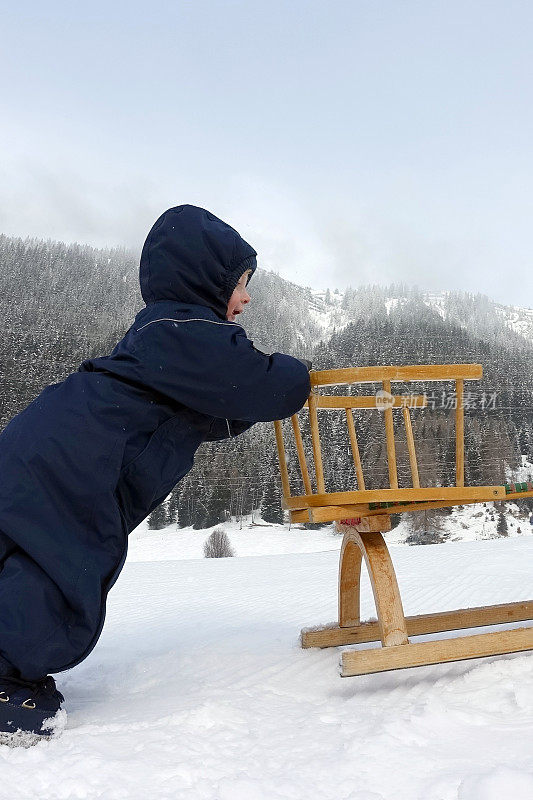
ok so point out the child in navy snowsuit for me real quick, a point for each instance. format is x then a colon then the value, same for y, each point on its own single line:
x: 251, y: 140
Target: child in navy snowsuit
x: 93, y: 455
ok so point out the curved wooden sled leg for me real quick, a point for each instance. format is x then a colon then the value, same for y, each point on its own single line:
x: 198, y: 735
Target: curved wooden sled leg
x: 372, y: 547
x: 350, y: 582
x: 364, y: 539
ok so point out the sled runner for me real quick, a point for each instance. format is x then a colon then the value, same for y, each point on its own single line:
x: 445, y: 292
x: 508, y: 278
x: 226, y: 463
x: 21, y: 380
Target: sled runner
x: 363, y: 515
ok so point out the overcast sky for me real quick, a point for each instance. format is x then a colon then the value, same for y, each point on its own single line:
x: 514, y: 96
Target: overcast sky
x: 349, y: 141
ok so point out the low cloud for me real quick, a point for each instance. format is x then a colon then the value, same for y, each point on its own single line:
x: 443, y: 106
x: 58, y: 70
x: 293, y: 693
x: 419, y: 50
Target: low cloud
x: 304, y: 239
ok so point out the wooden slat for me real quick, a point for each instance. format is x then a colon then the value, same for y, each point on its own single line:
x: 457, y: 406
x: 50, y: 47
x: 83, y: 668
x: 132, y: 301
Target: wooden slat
x: 391, y: 449
x: 336, y: 636
x: 282, y: 460
x: 415, y: 372
x: 411, y: 447
x: 301, y: 454
x: 369, y: 401
x: 481, y: 493
x: 355, y: 449
x: 459, y: 435
x: 518, y: 495
x: 315, y: 439
x: 332, y: 513
x: 417, y: 654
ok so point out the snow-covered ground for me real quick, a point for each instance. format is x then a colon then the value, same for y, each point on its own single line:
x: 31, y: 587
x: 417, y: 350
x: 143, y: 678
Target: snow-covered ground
x: 198, y: 689
x: 251, y: 539
x: 471, y: 522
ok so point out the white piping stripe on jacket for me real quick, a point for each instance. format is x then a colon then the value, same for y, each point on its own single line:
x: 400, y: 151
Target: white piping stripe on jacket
x: 196, y: 319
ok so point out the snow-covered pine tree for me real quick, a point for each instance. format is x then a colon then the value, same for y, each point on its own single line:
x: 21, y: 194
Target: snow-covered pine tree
x: 158, y: 518
x: 502, y: 529
x: 271, y: 510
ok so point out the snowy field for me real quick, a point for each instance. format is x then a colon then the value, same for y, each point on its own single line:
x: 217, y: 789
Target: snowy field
x: 257, y: 539
x: 198, y: 689
x: 469, y: 523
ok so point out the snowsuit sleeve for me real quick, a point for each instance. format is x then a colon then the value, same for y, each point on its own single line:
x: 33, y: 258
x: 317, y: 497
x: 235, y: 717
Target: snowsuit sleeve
x: 214, y: 368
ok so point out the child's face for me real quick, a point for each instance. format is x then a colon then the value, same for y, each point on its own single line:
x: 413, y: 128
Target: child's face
x: 239, y: 298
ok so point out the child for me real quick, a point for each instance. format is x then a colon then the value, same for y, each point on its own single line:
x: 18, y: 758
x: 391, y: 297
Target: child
x: 93, y: 455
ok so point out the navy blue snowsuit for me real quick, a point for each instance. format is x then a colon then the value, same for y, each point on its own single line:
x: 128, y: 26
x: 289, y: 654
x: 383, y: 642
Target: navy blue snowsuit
x: 93, y: 455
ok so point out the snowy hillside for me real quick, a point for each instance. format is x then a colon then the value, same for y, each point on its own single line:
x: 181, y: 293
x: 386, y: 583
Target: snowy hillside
x: 476, y: 313
x: 325, y: 309
x: 517, y: 319
x: 513, y: 318
x: 198, y: 688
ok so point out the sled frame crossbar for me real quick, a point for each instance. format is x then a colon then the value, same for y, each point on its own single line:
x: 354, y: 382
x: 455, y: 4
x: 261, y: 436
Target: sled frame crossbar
x: 363, y: 515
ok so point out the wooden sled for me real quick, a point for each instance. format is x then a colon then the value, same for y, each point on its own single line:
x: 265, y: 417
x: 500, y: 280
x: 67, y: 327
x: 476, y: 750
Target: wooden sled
x: 362, y: 517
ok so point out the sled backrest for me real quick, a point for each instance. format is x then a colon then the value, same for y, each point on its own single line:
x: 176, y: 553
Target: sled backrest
x: 383, y: 399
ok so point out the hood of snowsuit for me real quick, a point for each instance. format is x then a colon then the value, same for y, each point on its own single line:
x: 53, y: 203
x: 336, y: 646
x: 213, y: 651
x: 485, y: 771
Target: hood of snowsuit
x: 191, y: 256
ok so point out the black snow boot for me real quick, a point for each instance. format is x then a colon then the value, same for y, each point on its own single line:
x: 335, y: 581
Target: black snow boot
x: 30, y: 711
